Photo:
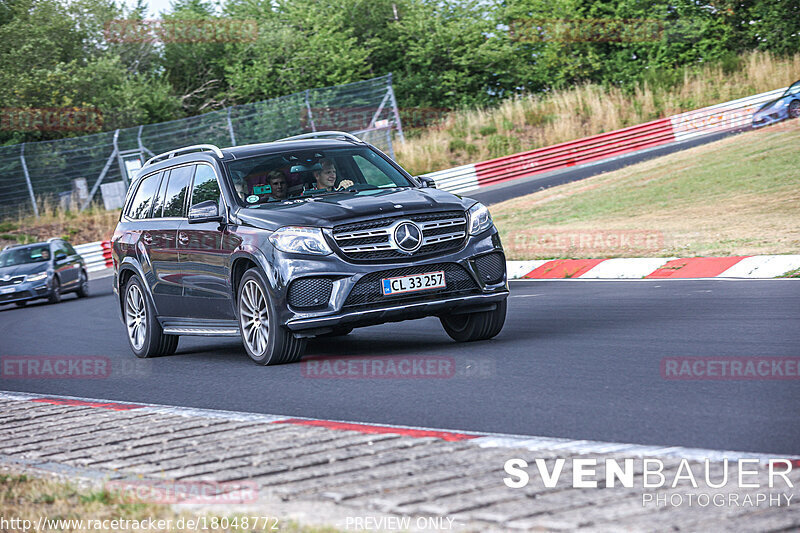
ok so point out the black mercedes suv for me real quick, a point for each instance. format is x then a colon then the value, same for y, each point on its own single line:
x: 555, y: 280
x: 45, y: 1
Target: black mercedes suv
x: 308, y: 236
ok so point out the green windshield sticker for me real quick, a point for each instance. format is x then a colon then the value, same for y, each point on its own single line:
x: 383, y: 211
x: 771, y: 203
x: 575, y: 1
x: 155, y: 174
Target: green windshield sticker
x: 252, y: 199
x: 262, y: 189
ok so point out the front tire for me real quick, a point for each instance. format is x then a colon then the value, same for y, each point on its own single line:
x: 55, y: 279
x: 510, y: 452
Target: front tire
x: 794, y: 109
x: 475, y: 326
x: 266, y: 341
x: 55, y: 293
x: 145, y: 336
x: 83, y: 286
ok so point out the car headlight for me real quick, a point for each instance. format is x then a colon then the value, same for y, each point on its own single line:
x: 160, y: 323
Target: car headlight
x: 37, y: 277
x: 300, y: 240
x: 479, y: 219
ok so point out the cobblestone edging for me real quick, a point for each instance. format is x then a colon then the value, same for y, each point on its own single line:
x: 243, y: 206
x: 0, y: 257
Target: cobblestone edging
x: 323, y: 472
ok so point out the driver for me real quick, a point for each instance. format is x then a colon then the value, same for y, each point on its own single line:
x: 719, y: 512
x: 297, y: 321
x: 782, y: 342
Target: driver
x: 326, y: 178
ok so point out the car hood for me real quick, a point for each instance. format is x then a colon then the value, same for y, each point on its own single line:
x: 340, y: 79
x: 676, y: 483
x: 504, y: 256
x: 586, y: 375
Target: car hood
x: 25, y: 269
x: 768, y: 105
x: 327, y: 211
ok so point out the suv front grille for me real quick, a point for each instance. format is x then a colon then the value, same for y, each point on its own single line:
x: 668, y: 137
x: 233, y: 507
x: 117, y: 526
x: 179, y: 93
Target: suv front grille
x: 373, y: 240
x: 367, y: 291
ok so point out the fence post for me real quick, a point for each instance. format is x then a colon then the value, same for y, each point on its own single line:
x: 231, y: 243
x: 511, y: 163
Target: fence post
x: 102, y: 175
x: 28, y: 179
x: 396, y: 111
x: 122, y: 170
x: 142, y: 147
x: 389, y: 142
x: 310, y: 114
x: 230, y: 127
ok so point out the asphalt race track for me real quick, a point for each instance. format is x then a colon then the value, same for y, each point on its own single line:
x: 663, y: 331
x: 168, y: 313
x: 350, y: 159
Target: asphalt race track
x: 577, y: 359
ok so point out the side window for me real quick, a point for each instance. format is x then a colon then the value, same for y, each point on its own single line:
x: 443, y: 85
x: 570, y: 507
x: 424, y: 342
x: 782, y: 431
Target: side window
x: 143, y: 199
x: 70, y: 249
x: 372, y: 174
x: 158, y: 203
x: 205, y: 185
x: 175, y: 199
x: 60, y: 247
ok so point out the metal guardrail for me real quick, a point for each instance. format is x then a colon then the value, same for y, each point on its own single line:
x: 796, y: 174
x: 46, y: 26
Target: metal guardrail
x: 97, y: 255
x: 728, y: 116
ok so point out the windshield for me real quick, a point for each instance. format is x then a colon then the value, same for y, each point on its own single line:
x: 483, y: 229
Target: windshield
x: 283, y: 176
x: 21, y: 256
x: 793, y: 89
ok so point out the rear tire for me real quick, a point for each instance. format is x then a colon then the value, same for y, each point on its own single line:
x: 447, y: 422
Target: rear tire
x: 266, y: 341
x: 475, y: 326
x: 145, y: 336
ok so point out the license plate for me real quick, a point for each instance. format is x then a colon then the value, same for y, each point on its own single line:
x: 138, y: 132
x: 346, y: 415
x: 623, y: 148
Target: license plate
x: 7, y: 290
x: 417, y: 282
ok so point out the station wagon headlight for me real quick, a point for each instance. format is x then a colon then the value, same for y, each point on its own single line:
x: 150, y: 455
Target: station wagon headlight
x: 300, y: 240
x: 479, y: 219
x: 37, y: 277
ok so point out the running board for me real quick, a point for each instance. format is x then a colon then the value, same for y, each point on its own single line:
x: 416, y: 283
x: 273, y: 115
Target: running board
x: 202, y: 331
x: 199, y: 326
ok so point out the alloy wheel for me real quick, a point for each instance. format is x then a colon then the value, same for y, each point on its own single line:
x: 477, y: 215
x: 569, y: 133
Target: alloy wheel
x: 254, y: 317
x: 136, y: 316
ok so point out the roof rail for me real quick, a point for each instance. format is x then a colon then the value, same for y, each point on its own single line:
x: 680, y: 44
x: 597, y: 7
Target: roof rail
x: 312, y: 135
x: 180, y: 151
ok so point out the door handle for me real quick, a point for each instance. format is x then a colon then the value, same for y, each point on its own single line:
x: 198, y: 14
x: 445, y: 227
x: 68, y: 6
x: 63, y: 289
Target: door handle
x: 183, y: 238
x: 147, y: 238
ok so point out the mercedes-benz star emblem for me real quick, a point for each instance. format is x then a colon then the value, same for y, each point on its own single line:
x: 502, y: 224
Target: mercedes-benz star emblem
x: 408, y: 236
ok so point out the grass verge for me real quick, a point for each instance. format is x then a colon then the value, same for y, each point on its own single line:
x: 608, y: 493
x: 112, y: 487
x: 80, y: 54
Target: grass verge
x: 23, y: 497
x: 737, y: 196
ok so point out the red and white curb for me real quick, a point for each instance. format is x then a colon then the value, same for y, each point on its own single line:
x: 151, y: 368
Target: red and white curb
x: 481, y: 439
x: 741, y: 267
x: 98, y: 258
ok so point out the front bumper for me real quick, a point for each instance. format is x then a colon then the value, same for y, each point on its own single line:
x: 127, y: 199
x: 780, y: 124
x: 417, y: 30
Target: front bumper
x: 25, y: 291
x: 397, y: 313
x: 351, y: 304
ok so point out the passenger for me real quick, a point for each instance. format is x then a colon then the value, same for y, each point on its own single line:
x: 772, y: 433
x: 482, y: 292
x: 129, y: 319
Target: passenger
x: 277, y: 181
x: 326, y: 178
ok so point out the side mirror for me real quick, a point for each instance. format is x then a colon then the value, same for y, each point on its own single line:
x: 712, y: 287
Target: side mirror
x: 60, y: 256
x: 426, y: 181
x: 207, y: 211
